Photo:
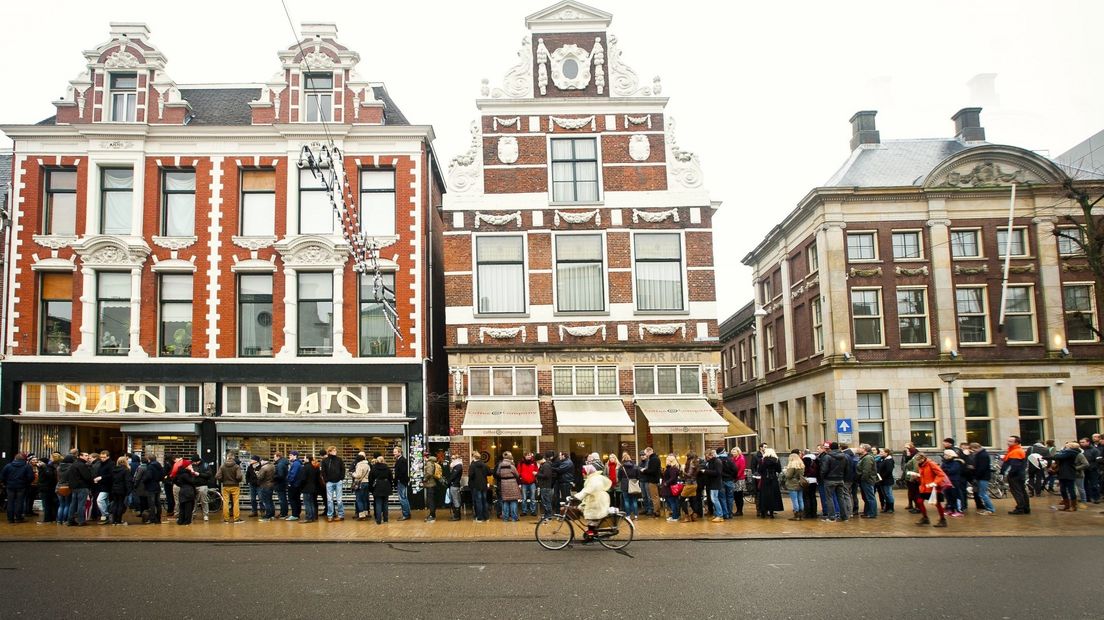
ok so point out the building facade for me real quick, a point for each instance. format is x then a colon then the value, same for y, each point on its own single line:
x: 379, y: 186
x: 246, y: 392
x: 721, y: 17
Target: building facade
x: 879, y: 300
x: 179, y: 283
x: 579, y: 270
x: 739, y: 355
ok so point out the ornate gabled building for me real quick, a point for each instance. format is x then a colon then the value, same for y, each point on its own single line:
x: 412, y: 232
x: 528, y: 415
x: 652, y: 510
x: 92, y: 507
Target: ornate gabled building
x: 579, y: 275
x: 179, y: 282
x: 879, y: 300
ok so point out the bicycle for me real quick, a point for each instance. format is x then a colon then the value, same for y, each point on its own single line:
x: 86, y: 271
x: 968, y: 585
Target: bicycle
x: 614, y: 531
x: 214, y: 500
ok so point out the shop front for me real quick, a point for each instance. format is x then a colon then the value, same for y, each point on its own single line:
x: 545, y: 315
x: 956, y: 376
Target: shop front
x: 496, y: 426
x: 680, y: 425
x: 587, y: 426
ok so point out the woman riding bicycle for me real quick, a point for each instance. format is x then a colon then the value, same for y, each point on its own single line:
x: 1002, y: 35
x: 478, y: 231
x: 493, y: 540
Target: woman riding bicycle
x: 594, y: 497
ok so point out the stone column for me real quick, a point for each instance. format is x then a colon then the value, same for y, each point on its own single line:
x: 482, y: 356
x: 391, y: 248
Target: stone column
x: 339, y: 349
x: 824, y: 290
x: 943, y: 294
x: 291, y: 314
x: 787, y: 310
x: 87, y: 345
x: 1052, y: 305
x: 136, y: 313
x: 760, y: 348
x: 834, y: 281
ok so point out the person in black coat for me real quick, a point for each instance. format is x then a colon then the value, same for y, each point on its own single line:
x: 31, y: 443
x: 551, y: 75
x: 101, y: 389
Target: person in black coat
x: 770, y: 492
x: 80, y: 483
x: 186, y: 482
x: 402, y: 483
x: 381, y: 481
x: 477, y: 483
x: 152, y: 481
x: 309, y: 489
x: 121, y: 486
x: 47, y: 487
x: 565, y: 477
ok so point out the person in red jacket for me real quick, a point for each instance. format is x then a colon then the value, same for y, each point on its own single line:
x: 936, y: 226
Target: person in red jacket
x: 932, y: 481
x: 527, y: 477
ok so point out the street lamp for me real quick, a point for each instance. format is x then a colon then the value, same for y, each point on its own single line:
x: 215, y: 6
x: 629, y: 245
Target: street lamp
x: 949, y: 378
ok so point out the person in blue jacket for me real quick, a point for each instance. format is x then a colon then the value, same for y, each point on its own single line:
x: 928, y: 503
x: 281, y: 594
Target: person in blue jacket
x: 294, y: 485
x: 17, y: 477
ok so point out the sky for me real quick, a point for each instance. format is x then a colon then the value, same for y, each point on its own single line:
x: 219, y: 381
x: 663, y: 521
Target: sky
x: 762, y: 91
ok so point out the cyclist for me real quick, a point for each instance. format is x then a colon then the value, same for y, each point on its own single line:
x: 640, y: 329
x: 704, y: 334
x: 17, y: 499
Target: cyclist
x: 595, y: 499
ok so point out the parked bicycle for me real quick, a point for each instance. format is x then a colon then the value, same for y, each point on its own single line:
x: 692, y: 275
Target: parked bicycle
x: 614, y: 531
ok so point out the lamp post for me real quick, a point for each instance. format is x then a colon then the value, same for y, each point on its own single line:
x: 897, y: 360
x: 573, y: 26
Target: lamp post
x: 949, y: 378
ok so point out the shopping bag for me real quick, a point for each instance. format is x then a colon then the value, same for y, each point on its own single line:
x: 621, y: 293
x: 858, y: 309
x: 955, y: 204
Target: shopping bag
x: 933, y: 500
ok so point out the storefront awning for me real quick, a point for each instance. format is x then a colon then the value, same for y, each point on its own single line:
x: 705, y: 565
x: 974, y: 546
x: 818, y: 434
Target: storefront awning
x: 592, y: 416
x: 250, y: 429
x: 159, y: 428
x: 736, y: 427
x: 682, y: 416
x: 511, y: 418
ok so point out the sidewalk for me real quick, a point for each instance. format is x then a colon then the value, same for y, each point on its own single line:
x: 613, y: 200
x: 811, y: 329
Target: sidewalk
x: 1042, y: 522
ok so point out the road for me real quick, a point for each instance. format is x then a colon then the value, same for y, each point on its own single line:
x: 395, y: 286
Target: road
x: 856, y: 578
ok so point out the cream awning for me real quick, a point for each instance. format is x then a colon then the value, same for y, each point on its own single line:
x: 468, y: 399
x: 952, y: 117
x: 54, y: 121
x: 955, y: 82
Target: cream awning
x: 736, y: 427
x: 506, y: 418
x: 682, y: 416
x: 592, y: 416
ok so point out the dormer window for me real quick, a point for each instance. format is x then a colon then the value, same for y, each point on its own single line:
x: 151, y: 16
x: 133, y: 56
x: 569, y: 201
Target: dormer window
x: 124, y: 97
x: 318, y: 97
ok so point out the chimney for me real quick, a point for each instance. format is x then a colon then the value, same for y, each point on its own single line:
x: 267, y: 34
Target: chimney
x: 321, y: 30
x: 863, y: 130
x: 129, y: 30
x: 968, y: 125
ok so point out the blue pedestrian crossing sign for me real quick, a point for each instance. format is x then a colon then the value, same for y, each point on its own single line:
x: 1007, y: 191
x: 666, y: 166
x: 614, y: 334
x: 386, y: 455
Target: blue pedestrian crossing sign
x: 844, y: 426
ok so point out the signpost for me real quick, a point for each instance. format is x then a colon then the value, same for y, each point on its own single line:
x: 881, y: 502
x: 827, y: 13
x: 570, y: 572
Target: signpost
x: 845, y: 430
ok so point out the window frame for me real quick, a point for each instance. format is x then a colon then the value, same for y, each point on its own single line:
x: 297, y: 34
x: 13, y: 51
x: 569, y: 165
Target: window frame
x: 104, y: 191
x: 313, y: 94
x: 681, y: 260
x: 768, y: 343
x: 1092, y: 311
x: 393, y: 191
x: 1025, y: 238
x: 816, y: 309
x: 362, y: 302
x: 601, y: 262
x: 920, y: 408
x: 812, y: 259
x: 122, y: 351
x: 316, y: 188
x: 166, y: 192
x: 873, y: 234
x: 242, y: 215
x: 524, y: 239
x: 594, y: 371
x: 44, y: 313
x: 552, y: 161
x: 1040, y: 416
x: 860, y: 420
x: 300, y: 300
x: 984, y: 314
x: 879, y: 317
x: 128, y: 94
x: 162, y: 302
x: 987, y: 419
x: 491, y: 371
x: 241, y: 297
x: 925, y: 316
x: 1030, y: 314
x: 744, y: 375
x: 49, y: 191
x: 976, y: 232
x: 1076, y: 250
x: 679, y: 368
x: 919, y: 233
x: 1095, y: 393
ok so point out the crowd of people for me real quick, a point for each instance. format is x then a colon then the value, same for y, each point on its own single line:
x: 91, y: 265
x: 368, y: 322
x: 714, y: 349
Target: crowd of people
x: 79, y: 487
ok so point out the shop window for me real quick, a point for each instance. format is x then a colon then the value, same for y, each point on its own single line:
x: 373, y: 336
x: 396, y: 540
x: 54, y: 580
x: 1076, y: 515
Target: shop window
x: 258, y: 200
x: 116, y: 200
x: 502, y: 381
x: 866, y: 317
x: 862, y: 246
x: 1019, y: 314
x: 1018, y: 240
x: 57, y: 313
x: 377, y: 338
x: 255, y: 316
x: 667, y: 380
x: 978, y: 417
x: 176, y: 315
x: 907, y: 245
x: 500, y: 274
x: 61, y: 202
x: 1086, y: 411
x: 973, y: 315
x: 377, y: 202
x: 178, y: 195
x: 584, y: 381
x: 658, y: 271
x: 964, y: 244
x: 579, y: 274
x: 912, y: 315
x: 574, y: 170
x: 871, y: 418
x: 113, y: 310
x: 124, y: 97
x: 316, y: 215
x: 315, y: 311
x: 1080, y: 308
x: 922, y: 419
x: 1032, y: 422
x: 318, y: 97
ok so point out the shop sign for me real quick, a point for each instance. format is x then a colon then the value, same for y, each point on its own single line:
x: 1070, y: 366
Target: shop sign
x: 116, y: 401
x: 438, y: 439
x: 324, y: 400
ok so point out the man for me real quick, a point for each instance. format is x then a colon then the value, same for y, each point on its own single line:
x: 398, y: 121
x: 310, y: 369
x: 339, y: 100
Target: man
x: 853, y: 481
x: 204, y: 476
x: 333, y: 472
x: 455, y: 484
x: 714, y: 482
x: 294, y: 485
x: 827, y: 504
x: 80, y: 486
x: 1091, y: 478
x: 649, y: 482
x: 47, y: 480
x: 430, y: 479
x: 867, y: 473
x: 838, y: 480
x: 254, y: 486
x: 266, y: 480
x: 17, y: 477
x: 1037, y: 460
x: 152, y: 478
x: 949, y: 444
x: 728, y: 484
x: 101, y: 483
x: 281, y: 487
x: 546, y: 482
x: 402, y: 483
x: 230, y: 477
x: 527, y: 478
x: 1015, y: 469
x: 565, y: 477
x: 477, y: 482
x: 983, y: 471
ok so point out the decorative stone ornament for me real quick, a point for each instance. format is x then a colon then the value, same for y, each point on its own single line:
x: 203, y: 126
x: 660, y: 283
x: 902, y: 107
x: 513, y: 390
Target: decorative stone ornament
x: 542, y: 67
x: 639, y: 147
x: 507, y: 149
x: 465, y: 173
x: 570, y: 68
x: 518, y: 81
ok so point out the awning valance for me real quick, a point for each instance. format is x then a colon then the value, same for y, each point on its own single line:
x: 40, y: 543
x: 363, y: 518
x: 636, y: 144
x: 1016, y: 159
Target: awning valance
x: 592, y: 416
x: 509, y: 418
x: 162, y: 428
x: 682, y: 416
x: 736, y: 426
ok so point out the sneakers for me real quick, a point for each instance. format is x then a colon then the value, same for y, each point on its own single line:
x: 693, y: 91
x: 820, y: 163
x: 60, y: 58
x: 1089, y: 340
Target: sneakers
x: 206, y: 517
x: 986, y: 513
x: 674, y: 520
x: 954, y: 514
x: 714, y: 520
x: 292, y: 518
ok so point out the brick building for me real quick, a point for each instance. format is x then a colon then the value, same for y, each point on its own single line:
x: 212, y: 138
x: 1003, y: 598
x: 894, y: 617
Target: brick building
x: 878, y: 300
x: 177, y: 282
x: 739, y: 354
x: 579, y: 275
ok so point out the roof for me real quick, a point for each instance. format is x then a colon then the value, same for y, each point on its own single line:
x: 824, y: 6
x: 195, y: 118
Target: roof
x: 1085, y: 160
x: 738, y: 322
x: 5, y: 177
x: 895, y: 163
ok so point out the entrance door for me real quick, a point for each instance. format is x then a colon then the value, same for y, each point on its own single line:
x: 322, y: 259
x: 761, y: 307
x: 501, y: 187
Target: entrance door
x: 98, y: 438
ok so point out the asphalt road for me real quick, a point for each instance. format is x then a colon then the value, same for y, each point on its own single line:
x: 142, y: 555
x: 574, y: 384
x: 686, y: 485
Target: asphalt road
x: 857, y: 578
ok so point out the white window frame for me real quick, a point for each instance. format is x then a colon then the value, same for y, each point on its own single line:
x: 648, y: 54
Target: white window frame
x: 682, y: 266
x: 390, y: 230
x: 311, y: 94
x: 977, y: 243
x: 1073, y: 250
x: 925, y: 316
x: 984, y: 314
x: 880, y: 316
x: 753, y: 348
x: 919, y: 245
x: 269, y: 409
x: 492, y: 370
x: 1030, y: 314
x: 603, y: 281
x: 1022, y: 231
x: 575, y: 371
x: 917, y: 415
x: 1096, y: 400
x: 812, y: 259
x: 524, y: 272
x: 743, y: 361
x: 1091, y: 312
x: 678, y: 380
x: 126, y: 93
x: 873, y: 234
x: 816, y: 308
x: 598, y: 153
x: 768, y: 335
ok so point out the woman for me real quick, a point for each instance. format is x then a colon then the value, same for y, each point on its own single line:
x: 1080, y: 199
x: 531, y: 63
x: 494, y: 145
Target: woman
x: 740, y: 461
x: 885, y: 470
x: 1066, y: 460
x: 610, y: 470
x: 627, y: 472
x: 456, y: 483
x: 670, y: 489
x: 809, y: 497
x: 121, y: 486
x: 793, y: 480
x: 62, y: 491
x: 361, y: 487
x: 380, y: 480
x: 171, y: 468
x: 309, y: 488
x: 912, y: 482
x: 955, y: 468
x: 185, y: 482
x: 931, y: 480
x: 47, y: 487
x: 508, y: 489
x: 595, y: 499
x: 690, y: 501
x: 769, y: 499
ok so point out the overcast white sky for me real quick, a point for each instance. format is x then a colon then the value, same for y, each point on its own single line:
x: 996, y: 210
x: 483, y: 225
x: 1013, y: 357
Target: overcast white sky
x: 781, y: 78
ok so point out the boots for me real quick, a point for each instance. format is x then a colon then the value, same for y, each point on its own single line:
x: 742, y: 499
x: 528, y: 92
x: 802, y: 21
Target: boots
x: 795, y: 516
x: 923, y: 521
x: 942, y: 522
x: 1065, y: 503
x: 693, y: 517
x: 1073, y: 505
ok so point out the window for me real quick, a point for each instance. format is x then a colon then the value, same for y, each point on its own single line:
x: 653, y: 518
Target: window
x: 57, y: 313
x: 176, y: 315
x: 812, y: 259
x: 861, y: 246
x: 768, y: 294
x: 753, y: 344
x: 1068, y: 241
x: 768, y: 332
x: 973, y: 317
x: 113, y: 310
x: 912, y: 315
x: 1032, y: 423
x: 500, y: 274
x: 377, y: 202
x: 124, y: 97
x: 584, y: 381
x: 61, y: 202
x: 744, y: 374
x: 116, y: 200
x: 318, y: 91
x: 574, y: 170
x: 906, y: 245
x: 255, y: 315
x: 579, y: 273
x: 1019, y: 314
x: 866, y: 316
x: 667, y: 380
x: 818, y: 325
x: 922, y: 419
x: 821, y: 401
x: 1086, y: 411
x: 1080, y: 308
x: 1019, y: 242
x: 658, y: 271
x: 316, y: 313
x: 976, y: 405
x: 178, y: 189
x: 502, y: 381
x: 377, y: 339
x: 871, y: 419
x: 964, y: 244
x: 258, y: 213
x: 316, y: 215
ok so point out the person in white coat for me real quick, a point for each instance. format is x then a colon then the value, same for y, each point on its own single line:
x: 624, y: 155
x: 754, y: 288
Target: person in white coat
x: 594, y: 497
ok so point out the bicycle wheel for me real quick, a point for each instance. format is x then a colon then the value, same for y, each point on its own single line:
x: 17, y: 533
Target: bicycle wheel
x: 214, y: 501
x: 615, y: 531
x: 554, y: 533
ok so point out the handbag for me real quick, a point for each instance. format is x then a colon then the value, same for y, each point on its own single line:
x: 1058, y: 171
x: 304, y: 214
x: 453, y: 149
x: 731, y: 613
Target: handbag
x: 689, y: 489
x: 676, y: 489
x: 634, y: 487
x: 63, y: 489
x: 741, y: 486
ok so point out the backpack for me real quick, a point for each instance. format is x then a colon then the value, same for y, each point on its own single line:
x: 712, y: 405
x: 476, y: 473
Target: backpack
x: 728, y: 468
x: 433, y: 471
x: 849, y: 474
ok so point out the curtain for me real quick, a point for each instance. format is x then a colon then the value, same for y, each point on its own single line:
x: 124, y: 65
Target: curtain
x: 258, y: 215
x: 116, y: 212
x: 659, y: 286
x: 501, y: 288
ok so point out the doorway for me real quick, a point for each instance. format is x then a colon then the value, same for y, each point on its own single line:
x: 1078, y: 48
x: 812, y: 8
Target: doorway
x: 96, y: 438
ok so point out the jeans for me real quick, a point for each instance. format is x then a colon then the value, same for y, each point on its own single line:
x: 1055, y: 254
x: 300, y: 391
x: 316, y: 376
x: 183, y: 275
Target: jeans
x: 381, y: 508
x: 404, y: 499
x: 529, y: 499
x: 201, y: 500
x: 870, y: 499
x: 295, y: 500
x: 362, y: 500
x: 1066, y: 487
x: 629, y: 504
x: 1092, y: 485
x: 822, y: 488
x: 102, y: 499
x: 716, y: 496
x: 254, y: 497
x: 17, y: 501
x: 281, y: 496
x: 310, y: 504
x: 153, y: 515
x: 77, y: 499
x: 479, y: 502
x: 797, y: 498
x: 63, y: 508
x: 981, y: 494
x: 49, y: 505
x: 1081, y: 489
x: 646, y: 497
x: 268, y: 510
x: 510, y: 510
x: 1016, y: 484
x: 840, y: 492
x: 117, y: 506
x: 546, y: 497
x: 729, y: 493
x: 673, y: 507
x: 887, y: 492
x: 563, y: 491
x: 230, y: 508
x: 334, y: 506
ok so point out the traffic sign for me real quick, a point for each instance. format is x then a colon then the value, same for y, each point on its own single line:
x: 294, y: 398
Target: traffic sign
x: 844, y: 426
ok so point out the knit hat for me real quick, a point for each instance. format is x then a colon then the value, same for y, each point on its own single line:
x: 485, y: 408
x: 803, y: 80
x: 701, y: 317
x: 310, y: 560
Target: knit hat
x: 589, y: 469
x: 255, y: 458
x: 950, y: 454
x: 294, y: 453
